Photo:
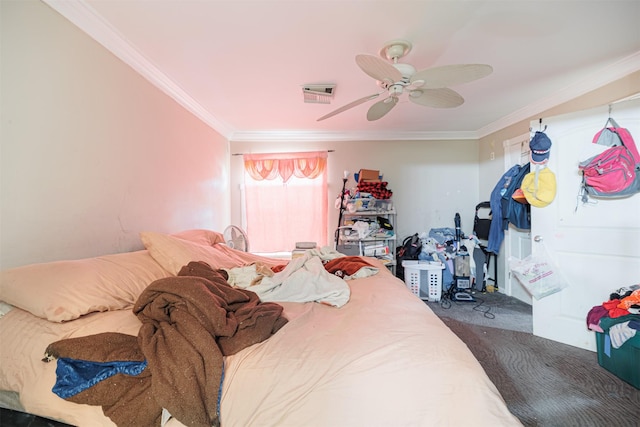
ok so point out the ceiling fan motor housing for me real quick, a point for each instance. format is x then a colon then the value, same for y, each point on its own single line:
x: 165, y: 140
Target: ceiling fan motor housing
x: 406, y: 70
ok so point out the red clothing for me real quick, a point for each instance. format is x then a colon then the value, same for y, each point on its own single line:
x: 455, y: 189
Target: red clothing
x: 614, y: 310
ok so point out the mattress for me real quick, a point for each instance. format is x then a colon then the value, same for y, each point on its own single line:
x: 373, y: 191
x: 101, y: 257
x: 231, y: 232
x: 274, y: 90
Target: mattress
x: 383, y: 358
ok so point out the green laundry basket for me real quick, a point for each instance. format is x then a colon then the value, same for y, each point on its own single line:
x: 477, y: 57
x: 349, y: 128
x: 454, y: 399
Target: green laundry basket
x: 624, y: 362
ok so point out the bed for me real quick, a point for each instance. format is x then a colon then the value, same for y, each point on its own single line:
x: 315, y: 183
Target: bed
x: 347, y: 344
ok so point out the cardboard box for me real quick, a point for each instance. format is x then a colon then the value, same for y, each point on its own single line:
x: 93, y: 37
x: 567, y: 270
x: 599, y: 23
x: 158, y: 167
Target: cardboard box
x: 368, y: 175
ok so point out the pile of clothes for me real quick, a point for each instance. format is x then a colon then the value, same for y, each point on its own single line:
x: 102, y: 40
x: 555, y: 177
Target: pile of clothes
x: 620, y: 314
x: 377, y: 189
x: 441, y: 244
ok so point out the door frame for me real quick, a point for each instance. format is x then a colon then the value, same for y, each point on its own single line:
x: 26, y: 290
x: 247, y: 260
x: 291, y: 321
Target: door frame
x: 517, y: 243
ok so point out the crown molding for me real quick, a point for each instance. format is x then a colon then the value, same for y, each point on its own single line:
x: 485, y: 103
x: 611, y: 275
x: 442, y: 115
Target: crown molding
x: 88, y: 20
x: 317, y: 136
x: 601, y: 77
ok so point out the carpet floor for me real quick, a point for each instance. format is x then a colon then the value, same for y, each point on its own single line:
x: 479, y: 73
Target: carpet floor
x: 544, y: 383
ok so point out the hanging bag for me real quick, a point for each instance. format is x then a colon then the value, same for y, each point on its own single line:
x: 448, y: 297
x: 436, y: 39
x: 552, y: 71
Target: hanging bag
x: 538, y: 274
x: 615, y: 172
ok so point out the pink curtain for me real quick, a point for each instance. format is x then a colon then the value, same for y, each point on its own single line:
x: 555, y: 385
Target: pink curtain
x: 300, y: 165
x: 285, y: 200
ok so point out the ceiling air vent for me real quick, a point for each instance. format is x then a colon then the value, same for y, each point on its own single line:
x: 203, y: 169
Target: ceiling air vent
x: 318, y: 93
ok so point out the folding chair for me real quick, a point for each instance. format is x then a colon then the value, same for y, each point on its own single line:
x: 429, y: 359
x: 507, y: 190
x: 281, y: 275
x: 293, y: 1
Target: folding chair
x: 481, y: 226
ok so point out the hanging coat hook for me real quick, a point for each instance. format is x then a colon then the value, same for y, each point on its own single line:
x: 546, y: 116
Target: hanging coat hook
x: 609, y: 117
x: 540, y: 125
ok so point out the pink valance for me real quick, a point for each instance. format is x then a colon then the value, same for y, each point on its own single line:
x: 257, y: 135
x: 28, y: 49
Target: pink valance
x: 270, y: 166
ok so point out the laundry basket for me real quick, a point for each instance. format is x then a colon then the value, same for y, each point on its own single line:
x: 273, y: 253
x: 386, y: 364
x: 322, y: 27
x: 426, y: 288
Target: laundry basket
x: 424, y: 279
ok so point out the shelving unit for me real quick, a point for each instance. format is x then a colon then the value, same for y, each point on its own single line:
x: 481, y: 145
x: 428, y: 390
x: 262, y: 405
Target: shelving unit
x: 378, y: 242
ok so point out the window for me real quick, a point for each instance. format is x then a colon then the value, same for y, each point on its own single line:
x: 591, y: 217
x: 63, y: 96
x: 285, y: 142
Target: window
x: 285, y: 200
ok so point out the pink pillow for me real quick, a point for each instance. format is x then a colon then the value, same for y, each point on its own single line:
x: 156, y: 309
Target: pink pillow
x: 173, y: 253
x: 65, y: 290
x: 201, y: 236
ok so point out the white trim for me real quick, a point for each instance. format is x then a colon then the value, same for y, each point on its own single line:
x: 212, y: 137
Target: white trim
x: 266, y: 136
x: 88, y: 20
x: 506, y: 284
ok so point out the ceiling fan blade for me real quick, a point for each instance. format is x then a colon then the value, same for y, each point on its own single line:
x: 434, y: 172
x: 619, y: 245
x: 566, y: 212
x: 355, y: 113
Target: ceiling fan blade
x: 381, y: 108
x: 436, y: 98
x: 451, y: 75
x: 378, y: 68
x: 350, y: 105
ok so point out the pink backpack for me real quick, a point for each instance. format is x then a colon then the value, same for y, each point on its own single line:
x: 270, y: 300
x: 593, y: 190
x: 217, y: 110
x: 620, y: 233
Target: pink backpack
x: 615, y: 172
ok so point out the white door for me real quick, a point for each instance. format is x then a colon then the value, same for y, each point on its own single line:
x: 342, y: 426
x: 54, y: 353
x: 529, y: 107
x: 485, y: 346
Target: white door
x: 517, y: 243
x: 596, y: 246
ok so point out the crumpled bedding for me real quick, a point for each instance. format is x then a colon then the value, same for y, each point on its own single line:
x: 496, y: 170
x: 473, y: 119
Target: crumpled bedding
x: 189, y: 323
x: 383, y: 359
x: 304, y: 279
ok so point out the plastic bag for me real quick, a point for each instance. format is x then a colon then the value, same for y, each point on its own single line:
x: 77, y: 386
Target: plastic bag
x: 538, y: 274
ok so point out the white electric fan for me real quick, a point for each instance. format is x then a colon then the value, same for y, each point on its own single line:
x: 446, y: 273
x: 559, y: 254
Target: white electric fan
x: 236, y: 238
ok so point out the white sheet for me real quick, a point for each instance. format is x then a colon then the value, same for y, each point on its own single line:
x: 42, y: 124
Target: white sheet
x: 304, y: 279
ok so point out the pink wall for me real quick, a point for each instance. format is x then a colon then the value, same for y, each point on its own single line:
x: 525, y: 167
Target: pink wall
x: 91, y: 152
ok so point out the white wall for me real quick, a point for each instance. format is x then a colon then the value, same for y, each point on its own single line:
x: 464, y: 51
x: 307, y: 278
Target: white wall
x: 92, y: 153
x: 430, y: 180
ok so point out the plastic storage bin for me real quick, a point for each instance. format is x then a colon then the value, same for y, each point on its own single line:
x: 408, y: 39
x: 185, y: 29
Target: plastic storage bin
x: 424, y: 279
x: 624, y: 362
x: 369, y: 204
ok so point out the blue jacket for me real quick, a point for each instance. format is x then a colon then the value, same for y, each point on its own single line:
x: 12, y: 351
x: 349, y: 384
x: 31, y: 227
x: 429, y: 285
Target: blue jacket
x: 508, y: 183
x: 514, y: 212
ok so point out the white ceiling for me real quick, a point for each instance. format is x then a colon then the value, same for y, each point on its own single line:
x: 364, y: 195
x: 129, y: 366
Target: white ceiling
x: 240, y: 65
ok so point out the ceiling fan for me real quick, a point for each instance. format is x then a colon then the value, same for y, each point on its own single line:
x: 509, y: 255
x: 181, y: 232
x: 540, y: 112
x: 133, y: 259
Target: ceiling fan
x: 429, y: 87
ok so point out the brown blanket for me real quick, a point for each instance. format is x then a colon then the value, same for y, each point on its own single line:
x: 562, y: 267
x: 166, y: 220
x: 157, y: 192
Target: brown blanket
x: 189, y: 322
